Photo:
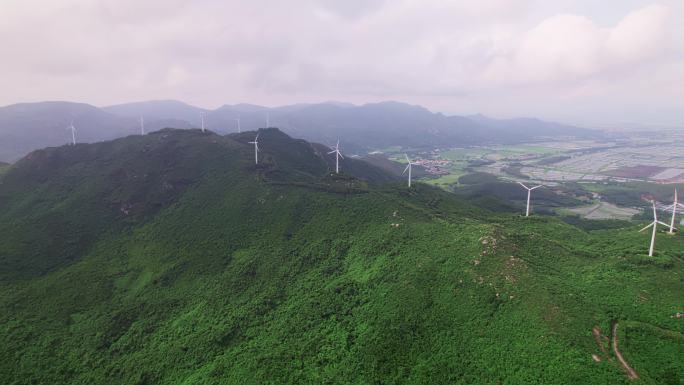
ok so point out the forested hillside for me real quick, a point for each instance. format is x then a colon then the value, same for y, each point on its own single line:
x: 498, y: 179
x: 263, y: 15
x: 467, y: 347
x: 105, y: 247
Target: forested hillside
x: 172, y: 258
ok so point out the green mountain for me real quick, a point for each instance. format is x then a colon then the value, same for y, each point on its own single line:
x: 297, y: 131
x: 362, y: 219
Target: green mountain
x: 4, y: 167
x: 172, y: 258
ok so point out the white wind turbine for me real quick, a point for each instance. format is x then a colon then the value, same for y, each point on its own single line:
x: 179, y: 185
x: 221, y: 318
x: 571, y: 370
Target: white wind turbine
x: 256, y: 149
x: 675, y: 205
x: 529, y: 192
x: 238, y: 124
x: 73, y: 132
x: 655, y: 225
x: 142, y: 125
x: 202, y: 120
x: 408, y: 168
x: 338, y: 155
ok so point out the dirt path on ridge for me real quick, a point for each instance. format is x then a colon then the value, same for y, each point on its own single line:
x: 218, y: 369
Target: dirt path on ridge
x: 631, y: 374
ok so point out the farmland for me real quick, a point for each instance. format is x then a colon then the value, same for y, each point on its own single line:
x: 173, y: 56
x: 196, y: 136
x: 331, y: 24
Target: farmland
x: 614, y: 177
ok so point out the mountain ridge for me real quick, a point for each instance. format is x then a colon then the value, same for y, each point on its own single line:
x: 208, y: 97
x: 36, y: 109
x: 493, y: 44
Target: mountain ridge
x: 172, y: 258
x: 361, y: 129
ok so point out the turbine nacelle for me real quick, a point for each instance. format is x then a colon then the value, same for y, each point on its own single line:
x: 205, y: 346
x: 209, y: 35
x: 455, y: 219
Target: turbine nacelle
x: 338, y: 155
x: 529, y: 193
x: 256, y: 148
x: 73, y: 132
x: 654, y: 225
x: 408, y: 168
x: 530, y: 188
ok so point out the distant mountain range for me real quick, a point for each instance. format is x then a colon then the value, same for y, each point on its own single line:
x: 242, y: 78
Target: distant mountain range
x: 29, y: 126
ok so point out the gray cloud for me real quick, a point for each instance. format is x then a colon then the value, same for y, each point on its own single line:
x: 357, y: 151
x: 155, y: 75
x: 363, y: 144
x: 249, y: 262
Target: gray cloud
x: 578, y: 61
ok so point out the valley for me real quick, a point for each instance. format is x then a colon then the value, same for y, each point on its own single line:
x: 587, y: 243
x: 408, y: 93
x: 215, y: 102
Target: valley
x: 642, y: 160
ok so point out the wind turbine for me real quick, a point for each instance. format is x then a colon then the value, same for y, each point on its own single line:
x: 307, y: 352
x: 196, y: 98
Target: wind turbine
x: 529, y: 192
x: 238, y: 124
x: 142, y: 125
x: 268, y: 119
x: 202, y: 119
x: 655, y: 225
x: 408, y: 168
x: 674, y: 212
x: 338, y: 155
x: 256, y: 148
x: 73, y: 132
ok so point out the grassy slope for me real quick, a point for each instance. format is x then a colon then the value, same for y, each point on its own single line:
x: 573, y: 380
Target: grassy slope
x: 239, y: 279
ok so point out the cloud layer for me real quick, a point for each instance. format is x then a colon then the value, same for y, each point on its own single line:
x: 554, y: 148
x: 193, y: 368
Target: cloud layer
x: 573, y: 61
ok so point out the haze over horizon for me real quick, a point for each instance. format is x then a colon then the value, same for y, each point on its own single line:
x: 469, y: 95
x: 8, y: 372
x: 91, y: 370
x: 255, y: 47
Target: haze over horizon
x: 570, y: 61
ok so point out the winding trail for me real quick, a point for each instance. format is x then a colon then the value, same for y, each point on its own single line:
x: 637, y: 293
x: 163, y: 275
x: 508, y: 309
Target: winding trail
x: 597, y: 337
x: 631, y: 374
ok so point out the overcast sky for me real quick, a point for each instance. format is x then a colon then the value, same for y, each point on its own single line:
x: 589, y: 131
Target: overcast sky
x: 578, y: 61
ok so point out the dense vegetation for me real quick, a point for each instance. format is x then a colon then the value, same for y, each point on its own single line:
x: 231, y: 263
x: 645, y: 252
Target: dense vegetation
x: 632, y: 194
x: 173, y: 259
x: 488, y: 191
x: 4, y: 167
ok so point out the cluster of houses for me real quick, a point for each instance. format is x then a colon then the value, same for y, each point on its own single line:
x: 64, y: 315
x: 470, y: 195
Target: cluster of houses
x: 434, y: 166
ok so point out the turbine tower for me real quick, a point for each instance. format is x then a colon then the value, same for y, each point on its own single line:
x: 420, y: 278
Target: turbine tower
x: 256, y: 148
x: 73, y: 133
x: 408, y: 168
x: 655, y: 225
x: 202, y: 119
x: 338, y: 155
x: 142, y: 125
x: 238, y: 125
x: 529, y: 192
x: 675, y: 205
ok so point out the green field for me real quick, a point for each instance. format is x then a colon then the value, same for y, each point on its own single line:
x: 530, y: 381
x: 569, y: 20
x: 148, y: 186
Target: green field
x: 460, y: 158
x: 456, y: 170
x: 525, y: 149
x: 464, y: 153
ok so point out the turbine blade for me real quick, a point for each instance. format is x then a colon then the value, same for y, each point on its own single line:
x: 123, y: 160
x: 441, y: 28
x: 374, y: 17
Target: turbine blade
x: 332, y: 152
x: 535, y: 187
x: 521, y: 183
x: 406, y: 169
x: 340, y: 154
x: 407, y: 158
x: 653, y: 223
x: 664, y: 224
